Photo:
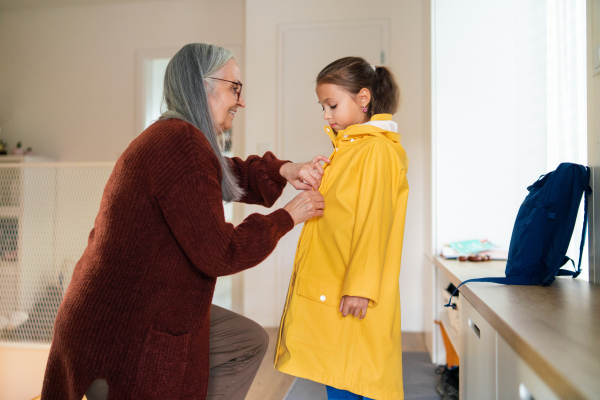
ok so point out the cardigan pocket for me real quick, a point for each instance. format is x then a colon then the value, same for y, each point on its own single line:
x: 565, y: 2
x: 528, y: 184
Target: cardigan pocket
x: 162, y: 366
x: 317, y: 323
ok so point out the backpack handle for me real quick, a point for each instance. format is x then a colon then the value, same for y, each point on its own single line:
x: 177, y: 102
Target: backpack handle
x: 540, y: 182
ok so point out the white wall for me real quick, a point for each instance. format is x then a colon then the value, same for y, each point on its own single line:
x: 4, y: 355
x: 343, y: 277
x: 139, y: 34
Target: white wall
x: 68, y: 89
x: 409, y: 59
x: 593, y: 8
x: 490, y: 115
x: 67, y: 81
x: 489, y: 121
x: 490, y: 107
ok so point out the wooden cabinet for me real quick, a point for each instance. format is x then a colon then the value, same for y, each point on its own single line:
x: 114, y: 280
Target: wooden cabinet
x: 523, y: 342
x: 478, y: 355
x: 490, y: 368
x: 516, y: 380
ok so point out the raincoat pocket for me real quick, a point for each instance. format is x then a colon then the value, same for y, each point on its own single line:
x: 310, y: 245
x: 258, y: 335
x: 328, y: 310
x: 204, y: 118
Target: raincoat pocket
x: 318, y: 323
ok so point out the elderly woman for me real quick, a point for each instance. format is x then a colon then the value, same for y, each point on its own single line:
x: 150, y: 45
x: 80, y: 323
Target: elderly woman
x: 137, y: 320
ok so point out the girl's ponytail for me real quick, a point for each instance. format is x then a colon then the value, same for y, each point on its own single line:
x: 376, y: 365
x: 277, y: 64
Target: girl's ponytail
x: 385, y: 96
x: 355, y: 73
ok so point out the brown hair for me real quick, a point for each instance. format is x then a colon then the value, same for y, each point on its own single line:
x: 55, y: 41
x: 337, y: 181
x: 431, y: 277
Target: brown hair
x: 355, y: 73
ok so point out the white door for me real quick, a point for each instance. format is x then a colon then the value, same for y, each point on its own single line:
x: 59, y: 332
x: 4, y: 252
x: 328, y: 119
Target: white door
x: 304, y: 50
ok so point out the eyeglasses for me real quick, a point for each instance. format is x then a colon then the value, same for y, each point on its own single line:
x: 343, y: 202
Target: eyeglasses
x: 237, y: 87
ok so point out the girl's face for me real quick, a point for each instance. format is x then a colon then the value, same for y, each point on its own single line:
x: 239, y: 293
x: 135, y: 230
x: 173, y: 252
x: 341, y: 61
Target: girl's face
x: 225, y: 97
x: 340, y: 108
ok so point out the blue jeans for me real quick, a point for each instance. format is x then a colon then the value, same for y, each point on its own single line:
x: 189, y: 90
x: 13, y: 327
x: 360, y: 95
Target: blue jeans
x: 337, y: 394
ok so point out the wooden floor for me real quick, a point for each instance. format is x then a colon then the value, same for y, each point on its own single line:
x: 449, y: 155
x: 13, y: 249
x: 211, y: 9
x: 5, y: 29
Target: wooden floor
x: 271, y: 384
x: 413, y: 341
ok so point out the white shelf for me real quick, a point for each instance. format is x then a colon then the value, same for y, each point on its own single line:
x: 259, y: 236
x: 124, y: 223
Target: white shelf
x: 15, y: 159
x: 7, y: 158
x: 452, y: 333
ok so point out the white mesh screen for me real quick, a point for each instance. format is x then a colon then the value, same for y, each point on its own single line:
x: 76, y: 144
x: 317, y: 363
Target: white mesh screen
x: 46, y: 213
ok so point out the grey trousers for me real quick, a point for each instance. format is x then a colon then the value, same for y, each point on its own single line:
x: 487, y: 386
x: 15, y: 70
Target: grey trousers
x: 237, y: 347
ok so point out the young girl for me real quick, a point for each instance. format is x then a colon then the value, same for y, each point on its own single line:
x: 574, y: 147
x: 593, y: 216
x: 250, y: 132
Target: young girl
x: 341, y: 322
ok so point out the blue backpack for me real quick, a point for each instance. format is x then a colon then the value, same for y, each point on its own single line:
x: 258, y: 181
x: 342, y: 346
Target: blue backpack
x: 543, y: 229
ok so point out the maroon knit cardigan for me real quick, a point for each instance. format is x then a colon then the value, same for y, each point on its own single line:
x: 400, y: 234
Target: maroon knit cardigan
x: 137, y: 311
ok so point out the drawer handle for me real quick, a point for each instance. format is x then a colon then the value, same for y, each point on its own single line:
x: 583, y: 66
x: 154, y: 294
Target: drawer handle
x: 475, y: 328
x: 524, y: 393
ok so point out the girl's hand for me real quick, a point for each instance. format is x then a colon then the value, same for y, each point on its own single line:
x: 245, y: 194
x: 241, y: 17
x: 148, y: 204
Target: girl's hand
x: 306, y: 205
x: 354, y: 305
x: 304, y: 176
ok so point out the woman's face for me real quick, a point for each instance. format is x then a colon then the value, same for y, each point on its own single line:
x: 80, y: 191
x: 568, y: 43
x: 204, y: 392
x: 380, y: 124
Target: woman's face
x: 223, y: 100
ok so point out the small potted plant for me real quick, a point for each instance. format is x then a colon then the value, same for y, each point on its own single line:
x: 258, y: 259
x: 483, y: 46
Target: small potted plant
x: 18, y: 150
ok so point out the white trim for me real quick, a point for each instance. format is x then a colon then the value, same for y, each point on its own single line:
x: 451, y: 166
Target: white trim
x: 388, y: 125
x: 143, y: 58
x: 435, y: 336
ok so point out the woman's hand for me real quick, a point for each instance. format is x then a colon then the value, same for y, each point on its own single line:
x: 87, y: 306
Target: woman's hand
x: 354, y: 305
x: 306, y: 175
x: 306, y: 205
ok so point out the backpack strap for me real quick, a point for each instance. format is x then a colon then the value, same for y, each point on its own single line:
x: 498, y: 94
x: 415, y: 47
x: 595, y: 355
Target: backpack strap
x: 566, y: 272
x: 586, y: 193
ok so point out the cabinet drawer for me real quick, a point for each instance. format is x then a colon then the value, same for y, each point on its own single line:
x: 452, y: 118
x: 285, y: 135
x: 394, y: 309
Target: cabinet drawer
x: 478, y: 361
x: 516, y: 380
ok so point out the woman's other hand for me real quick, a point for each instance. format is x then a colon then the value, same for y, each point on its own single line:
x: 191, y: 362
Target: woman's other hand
x: 306, y: 175
x: 306, y: 205
x: 354, y: 305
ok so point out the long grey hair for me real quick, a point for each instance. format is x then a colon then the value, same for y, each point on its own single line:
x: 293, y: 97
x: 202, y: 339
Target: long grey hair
x: 186, y: 98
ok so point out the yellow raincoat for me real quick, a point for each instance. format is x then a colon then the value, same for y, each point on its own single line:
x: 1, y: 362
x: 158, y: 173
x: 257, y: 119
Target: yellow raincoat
x: 354, y: 249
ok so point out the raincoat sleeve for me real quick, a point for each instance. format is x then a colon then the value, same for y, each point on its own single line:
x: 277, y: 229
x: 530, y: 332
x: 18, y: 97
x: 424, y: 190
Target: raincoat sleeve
x: 376, y: 173
x: 260, y: 178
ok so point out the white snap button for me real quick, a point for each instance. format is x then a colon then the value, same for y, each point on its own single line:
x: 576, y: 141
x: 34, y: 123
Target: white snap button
x: 345, y: 135
x: 322, y: 297
x: 336, y: 149
x: 352, y: 140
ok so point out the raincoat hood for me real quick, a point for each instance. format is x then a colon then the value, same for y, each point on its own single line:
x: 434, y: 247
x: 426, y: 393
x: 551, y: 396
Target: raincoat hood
x: 379, y: 125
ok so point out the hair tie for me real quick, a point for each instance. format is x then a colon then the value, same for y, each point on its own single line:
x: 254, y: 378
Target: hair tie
x: 374, y: 67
